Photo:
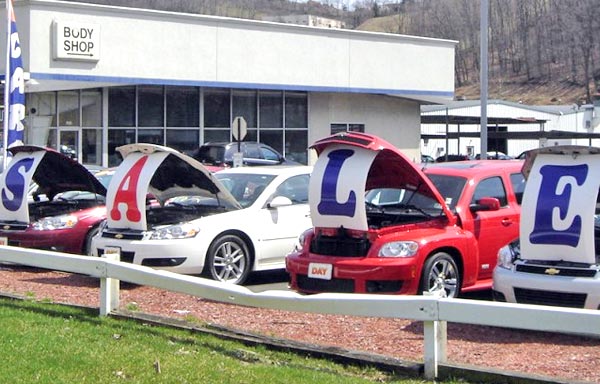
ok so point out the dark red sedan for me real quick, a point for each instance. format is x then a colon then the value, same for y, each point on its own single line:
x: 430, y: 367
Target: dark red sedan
x: 49, y: 201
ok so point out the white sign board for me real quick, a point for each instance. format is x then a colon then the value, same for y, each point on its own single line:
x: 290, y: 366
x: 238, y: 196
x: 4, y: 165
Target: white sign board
x: 76, y: 41
x: 557, y: 213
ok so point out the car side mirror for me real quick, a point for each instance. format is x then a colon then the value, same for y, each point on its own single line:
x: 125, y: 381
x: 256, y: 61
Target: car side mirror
x: 279, y: 201
x: 485, y: 204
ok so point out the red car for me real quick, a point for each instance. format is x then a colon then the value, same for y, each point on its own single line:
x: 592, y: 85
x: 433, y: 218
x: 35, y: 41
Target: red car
x: 50, y: 201
x: 384, y: 225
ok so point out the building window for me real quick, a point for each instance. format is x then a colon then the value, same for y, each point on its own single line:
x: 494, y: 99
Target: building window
x: 68, y: 108
x: 296, y: 145
x: 296, y: 110
x: 346, y: 127
x: 116, y: 138
x: 91, y: 108
x: 183, y: 107
x: 273, y: 137
x: 150, y: 106
x: 151, y: 136
x: 184, y: 140
x: 271, y: 109
x: 217, y: 113
x: 91, y: 146
x: 121, y: 107
x: 244, y: 105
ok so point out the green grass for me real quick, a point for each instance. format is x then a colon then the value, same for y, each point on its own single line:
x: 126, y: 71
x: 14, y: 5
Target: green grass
x: 48, y: 343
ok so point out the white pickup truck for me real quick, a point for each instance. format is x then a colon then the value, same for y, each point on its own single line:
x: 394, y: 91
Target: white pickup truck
x: 556, y: 259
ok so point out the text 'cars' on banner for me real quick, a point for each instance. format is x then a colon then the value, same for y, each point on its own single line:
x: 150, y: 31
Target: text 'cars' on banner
x: 14, y: 186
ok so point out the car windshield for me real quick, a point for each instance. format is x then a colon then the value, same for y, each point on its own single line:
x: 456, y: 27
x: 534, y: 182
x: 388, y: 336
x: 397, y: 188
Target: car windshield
x: 245, y: 187
x: 450, y: 187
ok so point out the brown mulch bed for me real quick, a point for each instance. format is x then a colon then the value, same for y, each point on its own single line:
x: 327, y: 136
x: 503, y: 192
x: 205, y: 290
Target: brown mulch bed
x: 566, y: 357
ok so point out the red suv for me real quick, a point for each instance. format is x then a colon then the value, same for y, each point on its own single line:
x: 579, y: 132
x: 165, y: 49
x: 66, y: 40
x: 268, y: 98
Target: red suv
x: 382, y: 224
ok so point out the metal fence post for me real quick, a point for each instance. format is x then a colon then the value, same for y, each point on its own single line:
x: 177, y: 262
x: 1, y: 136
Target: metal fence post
x: 109, y: 289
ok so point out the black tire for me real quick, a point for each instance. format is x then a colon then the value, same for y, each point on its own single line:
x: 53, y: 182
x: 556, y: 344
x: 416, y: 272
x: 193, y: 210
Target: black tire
x: 87, y: 243
x: 440, y: 271
x: 228, y: 260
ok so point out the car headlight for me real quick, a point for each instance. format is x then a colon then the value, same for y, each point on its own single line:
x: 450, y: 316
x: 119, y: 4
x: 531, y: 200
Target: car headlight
x: 55, y: 222
x: 299, y: 246
x: 399, y: 249
x: 507, y: 255
x: 179, y: 231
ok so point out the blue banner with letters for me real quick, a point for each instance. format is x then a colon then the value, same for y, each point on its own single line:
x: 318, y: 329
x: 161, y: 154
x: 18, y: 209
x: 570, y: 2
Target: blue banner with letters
x: 15, y: 86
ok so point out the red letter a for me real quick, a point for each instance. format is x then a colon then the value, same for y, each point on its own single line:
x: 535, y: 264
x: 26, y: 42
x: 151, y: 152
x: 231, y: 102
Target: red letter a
x: 128, y: 196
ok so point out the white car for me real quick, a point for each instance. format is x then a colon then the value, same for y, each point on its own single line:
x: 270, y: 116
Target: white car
x: 556, y: 259
x: 222, y: 225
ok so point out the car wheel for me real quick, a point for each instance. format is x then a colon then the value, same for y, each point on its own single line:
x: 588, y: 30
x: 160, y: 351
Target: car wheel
x: 87, y: 245
x: 440, y: 272
x: 228, y: 260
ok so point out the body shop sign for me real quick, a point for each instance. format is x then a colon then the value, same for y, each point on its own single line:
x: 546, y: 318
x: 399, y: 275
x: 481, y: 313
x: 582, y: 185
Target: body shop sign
x: 76, y: 41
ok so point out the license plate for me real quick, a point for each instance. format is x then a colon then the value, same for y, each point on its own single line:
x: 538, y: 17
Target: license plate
x: 320, y: 271
x: 112, y: 251
x: 3, y: 240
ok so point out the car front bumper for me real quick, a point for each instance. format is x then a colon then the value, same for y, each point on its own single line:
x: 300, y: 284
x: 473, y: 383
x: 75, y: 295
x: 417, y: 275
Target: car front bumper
x: 528, y: 288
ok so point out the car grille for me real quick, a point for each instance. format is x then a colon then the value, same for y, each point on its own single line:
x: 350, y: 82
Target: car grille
x: 340, y: 246
x: 556, y: 270
x: 561, y: 299
x: 305, y: 283
x: 127, y: 234
x: 126, y: 257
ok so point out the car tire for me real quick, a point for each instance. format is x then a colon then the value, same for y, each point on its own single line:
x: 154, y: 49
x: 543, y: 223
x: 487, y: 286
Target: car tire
x: 441, y: 272
x: 228, y: 260
x: 87, y: 244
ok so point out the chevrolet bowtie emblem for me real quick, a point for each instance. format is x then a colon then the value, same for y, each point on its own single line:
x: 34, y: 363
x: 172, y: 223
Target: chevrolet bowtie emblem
x: 119, y: 236
x: 552, y: 271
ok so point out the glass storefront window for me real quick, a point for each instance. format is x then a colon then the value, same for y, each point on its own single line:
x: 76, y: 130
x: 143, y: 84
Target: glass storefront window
x: 68, y: 108
x: 244, y: 104
x: 184, y: 140
x: 121, y: 107
x: 274, y: 138
x: 217, y: 112
x: 183, y: 107
x: 91, y: 108
x: 151, y: 106
x: 116, y: 138
x: 296, y: 110
x: 42, y: 116
x: 271, y: 109
x: 212, y: 135
x: 151, y: 136
x: 296, y: 145
x: 91, y: 146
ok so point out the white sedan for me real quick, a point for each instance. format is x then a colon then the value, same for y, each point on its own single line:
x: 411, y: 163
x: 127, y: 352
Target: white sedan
x: 223, y: 225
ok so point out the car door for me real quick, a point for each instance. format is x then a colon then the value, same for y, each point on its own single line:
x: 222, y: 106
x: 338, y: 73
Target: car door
x: 281, y: 225
x: 492, y: 229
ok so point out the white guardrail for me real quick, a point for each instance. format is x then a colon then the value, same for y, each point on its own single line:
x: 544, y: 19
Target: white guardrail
x: 433, y: 311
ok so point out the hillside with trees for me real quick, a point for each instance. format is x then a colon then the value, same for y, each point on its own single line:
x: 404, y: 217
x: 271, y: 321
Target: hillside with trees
x: 540, y: 51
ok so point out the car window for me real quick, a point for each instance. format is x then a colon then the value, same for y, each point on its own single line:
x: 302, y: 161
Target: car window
x: 251, y: 151
x: 295, y: 188
x: 490, y: 187
x: 268, y: 154
x: 518, y: 183
x: 210, y: 154
x: 245, y: 187
x: 450, y: 187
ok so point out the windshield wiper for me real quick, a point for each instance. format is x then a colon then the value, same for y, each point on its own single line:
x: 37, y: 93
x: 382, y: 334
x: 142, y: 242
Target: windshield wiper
x: 409, y: 207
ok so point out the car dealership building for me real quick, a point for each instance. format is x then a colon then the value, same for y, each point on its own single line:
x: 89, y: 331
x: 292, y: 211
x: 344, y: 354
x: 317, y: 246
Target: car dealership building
x: 103, y: 76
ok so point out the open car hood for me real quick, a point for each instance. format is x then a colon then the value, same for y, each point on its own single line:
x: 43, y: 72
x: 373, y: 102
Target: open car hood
x: 559, y: 203
x: 53, y: 172
x: 350, y: 164
x: 150, y: 170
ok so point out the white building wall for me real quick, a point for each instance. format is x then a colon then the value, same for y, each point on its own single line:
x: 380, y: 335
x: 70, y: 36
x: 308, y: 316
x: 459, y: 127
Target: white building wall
x: 395, y: 119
